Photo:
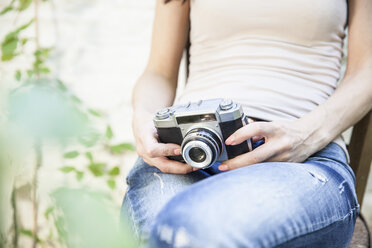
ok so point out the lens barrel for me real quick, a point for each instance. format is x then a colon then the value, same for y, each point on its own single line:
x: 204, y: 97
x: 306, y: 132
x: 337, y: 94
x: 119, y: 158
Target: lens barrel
x: 201, y: 148
x: 197, y: 154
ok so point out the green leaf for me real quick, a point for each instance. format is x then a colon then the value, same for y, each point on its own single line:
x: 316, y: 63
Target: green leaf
x: 97, y: 169
x: 121, y: 148
x: 26, y: 232
x: 94, y: 112
x: 75, y: 99
x: 24, y: 41
x: 44, y: 70
x: 7, y: 57
x: 89, y: 140
x: 37, y: 64
x: 89, y: 156
x: 8, y: 48
x: 29, y: 233
x: 18, y: 75
x: 24, y: 4
x: 47, y: 212
x: 43, y: 52
x: 10, y: 43
x: 15, y: 33
x: 6, y: 10
x: 61, y: 85
x: 67, y: 169
x: 114, y: 171
x: 79, y: 175
x: 40, y: 56
x: 60, y: 225
x: 72, y: 154
x: 30, y: 73
x: 109, y: 133
x: 111, y: 183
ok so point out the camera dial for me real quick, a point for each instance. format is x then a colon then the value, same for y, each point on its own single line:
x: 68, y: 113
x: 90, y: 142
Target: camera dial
x: 163, y: 114
x: 226, y: 104
x: 201, y: 148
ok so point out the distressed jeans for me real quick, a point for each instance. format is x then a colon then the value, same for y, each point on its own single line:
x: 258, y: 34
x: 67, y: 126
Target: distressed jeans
x: 273, y: 204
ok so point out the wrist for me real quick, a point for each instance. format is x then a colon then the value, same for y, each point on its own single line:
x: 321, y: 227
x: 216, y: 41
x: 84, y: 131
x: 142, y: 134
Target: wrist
x: 141, y: 120
x: 142, y: 115
x: 315, y: 128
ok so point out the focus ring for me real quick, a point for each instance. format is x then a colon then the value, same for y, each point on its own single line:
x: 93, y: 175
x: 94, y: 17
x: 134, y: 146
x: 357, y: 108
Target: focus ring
x: 205, y: 140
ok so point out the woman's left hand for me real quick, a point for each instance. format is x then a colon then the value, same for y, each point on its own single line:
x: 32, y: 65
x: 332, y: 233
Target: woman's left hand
x: 285, y: 141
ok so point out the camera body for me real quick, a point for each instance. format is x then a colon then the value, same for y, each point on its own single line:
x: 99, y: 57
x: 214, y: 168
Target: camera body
x: 201, y: 128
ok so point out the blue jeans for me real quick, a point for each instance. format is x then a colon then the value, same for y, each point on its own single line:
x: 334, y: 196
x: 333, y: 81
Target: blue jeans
x: 273, y: 204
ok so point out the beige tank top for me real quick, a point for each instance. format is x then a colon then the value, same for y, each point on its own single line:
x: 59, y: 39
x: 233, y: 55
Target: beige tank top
x: 279, y: 58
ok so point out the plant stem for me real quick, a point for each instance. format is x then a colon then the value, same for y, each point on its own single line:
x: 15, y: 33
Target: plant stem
x: 39, y: 158
x: 15, y: 219
x: 36, y: 21
x: 38, y: 143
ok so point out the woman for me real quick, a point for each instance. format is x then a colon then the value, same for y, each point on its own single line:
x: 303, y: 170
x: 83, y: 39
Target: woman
x: 281, y: 60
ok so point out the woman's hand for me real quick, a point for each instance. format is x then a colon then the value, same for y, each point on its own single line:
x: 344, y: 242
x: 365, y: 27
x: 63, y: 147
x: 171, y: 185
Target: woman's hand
x: 285, y: 141
x: 156, y: 88
x: 155, y: 153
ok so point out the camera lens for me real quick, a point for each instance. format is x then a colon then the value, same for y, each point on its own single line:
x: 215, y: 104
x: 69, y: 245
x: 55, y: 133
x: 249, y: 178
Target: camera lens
x: 197, y: 154
x: 201, y: 148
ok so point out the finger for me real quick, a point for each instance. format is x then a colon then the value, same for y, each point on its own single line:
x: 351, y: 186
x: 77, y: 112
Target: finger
x: 257, y: 138
x: 163, y: 150
x: 171, y: 166
x: 256, y: 156
x: 262, y: 129
x: 156, y: 135
x: 155, y: 149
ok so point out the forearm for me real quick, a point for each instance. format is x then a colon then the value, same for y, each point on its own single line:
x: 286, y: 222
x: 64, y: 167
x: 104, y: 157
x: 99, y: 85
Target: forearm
x: 349, y: 103
x: 151, y: 92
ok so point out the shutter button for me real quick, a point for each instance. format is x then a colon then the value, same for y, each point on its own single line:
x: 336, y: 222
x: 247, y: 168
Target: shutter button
x: 226, y: 104
x: 163, y: 114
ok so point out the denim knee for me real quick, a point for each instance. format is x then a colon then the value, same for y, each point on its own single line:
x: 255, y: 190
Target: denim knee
x: 175, y: 229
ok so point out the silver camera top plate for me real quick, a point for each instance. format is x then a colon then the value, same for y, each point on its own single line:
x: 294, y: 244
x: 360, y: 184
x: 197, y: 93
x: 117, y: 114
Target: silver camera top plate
x: 221, y: 109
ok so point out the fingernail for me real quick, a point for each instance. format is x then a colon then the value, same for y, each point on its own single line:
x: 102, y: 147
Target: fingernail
x: 177, y: 151
x: 195, y: 169
x: 229, y: 141
x: 223, y: 167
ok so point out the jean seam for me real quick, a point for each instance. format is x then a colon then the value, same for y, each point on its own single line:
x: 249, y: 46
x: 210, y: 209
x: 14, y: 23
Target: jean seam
x: 352, y: 210
x: 316, y: 158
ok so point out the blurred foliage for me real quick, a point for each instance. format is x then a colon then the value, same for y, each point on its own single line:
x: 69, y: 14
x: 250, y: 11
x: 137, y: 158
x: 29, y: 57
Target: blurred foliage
x: 88, y: 219
x: 11, y: 148
x: 101, y: 169
x: 44, y: 111
x: 14, y: 43
x: 3, y: 174
x: 11, y: 45
x: 43, y: 108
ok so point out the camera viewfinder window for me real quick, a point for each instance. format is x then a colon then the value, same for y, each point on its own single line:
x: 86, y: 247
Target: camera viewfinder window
x: 196, y: 118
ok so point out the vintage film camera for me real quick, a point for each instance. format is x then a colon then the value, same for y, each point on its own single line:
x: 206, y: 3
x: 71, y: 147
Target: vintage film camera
x: 201, y: 129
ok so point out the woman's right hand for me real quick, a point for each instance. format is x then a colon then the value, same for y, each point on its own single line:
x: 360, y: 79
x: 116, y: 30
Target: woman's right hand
x: 156, y: 88
x: 155, y: 153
